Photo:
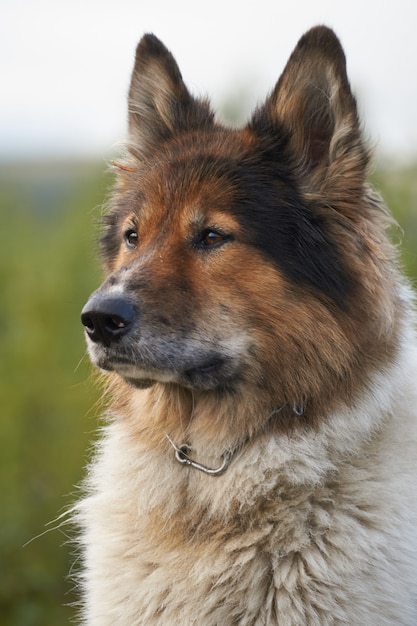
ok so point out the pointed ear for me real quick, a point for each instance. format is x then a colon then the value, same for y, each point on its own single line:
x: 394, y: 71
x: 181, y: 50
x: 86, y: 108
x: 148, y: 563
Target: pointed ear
x: 160, y: 105
x: 312, y: 103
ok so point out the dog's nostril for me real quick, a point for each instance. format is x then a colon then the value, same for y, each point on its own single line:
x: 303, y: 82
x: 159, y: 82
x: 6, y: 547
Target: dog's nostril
x: 107, y: 318
x: 115, y: 323
x: 87, y: 322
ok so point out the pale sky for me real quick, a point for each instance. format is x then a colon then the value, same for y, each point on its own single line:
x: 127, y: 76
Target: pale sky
x: 65, y: 64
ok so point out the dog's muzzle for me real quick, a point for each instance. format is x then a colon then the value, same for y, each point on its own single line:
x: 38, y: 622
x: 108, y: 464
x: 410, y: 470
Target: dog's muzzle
x: 142, y: 350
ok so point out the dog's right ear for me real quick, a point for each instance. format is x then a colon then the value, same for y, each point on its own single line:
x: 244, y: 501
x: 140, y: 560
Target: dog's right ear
x: 160, y: 105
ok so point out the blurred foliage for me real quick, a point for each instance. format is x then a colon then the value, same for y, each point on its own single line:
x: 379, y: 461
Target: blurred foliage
x: 48, y: 267
x: 398, y: 187
x: 47, y: 270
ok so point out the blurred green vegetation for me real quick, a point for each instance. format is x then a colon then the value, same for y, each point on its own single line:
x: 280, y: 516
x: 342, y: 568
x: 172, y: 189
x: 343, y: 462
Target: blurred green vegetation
x: 398, y: 187
x: 47, y: 270
x: 48, y: 267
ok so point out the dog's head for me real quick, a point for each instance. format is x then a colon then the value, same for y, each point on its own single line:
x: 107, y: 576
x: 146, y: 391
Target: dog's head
x: 250, y: 257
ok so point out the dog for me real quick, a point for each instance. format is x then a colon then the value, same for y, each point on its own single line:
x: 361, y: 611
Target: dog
x: 258, y: 464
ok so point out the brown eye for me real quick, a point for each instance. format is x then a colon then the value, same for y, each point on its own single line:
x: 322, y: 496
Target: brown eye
x: 211, y: 238
x: 131, y: 238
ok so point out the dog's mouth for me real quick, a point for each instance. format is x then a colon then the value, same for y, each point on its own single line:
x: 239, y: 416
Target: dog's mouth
x: 200, y: 373
x: 139, y: 383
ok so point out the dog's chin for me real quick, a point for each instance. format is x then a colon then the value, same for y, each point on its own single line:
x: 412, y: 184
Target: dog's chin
x: 139, y: 383
x: 204, y: 378
x: 194, y: 380
x: 216, y: 371
x: 143, y: 378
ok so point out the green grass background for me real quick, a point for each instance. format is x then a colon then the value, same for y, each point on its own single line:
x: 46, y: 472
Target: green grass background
x: 49, y: 403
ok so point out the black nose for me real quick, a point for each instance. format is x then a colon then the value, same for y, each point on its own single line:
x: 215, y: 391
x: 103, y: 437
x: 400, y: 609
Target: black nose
x: 107, y: 318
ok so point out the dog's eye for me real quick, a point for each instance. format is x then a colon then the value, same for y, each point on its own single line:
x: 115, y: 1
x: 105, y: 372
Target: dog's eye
x: 131, y: 238
x: 211, y: 238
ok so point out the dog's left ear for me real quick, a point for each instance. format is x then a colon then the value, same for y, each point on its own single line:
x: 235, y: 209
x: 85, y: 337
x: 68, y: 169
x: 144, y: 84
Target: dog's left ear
x: 313, y: 104
x: 160, y: 105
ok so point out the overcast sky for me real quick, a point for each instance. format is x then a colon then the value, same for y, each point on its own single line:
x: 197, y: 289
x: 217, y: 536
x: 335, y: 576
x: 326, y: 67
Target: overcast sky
x: 65, y: 64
